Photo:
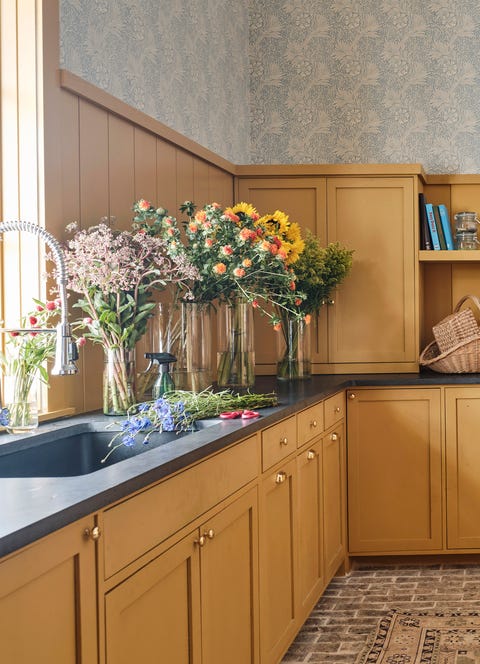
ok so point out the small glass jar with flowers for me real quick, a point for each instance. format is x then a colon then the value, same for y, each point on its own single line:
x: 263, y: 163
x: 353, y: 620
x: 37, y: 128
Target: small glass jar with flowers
x: 23, y: 365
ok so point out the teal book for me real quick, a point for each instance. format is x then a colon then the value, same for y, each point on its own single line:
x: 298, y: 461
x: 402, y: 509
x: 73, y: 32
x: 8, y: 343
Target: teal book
x: 438, y: 223
x: 432, y: 226
x: 447, y: 229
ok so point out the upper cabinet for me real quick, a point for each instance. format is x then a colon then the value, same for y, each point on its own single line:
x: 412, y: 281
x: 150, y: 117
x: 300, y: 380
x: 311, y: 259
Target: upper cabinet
x: 372, y: 324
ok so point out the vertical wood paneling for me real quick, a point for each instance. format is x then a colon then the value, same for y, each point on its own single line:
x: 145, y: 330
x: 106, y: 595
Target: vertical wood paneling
x: 185, y: 181
x: 94, y: 195
x: 121, y: 161
x: 200, y: 183
x: 167, y: 177
x: 145, y: 165
x: 94, y: 200
x: 220, y: 185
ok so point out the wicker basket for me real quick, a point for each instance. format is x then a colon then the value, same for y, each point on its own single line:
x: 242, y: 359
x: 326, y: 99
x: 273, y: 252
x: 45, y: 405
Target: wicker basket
x: 460, y: 337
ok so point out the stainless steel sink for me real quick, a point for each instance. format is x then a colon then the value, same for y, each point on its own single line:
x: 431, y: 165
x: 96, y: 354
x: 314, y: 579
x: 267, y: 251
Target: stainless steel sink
x: 76, y: 450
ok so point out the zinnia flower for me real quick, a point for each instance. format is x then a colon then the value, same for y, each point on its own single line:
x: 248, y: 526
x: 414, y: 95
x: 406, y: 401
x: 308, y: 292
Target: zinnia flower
x: 143, y: 205
x: 239, y: 272
x: 220, y: 268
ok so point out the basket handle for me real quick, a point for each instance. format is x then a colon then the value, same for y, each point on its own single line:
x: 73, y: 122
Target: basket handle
x: 473, y: 298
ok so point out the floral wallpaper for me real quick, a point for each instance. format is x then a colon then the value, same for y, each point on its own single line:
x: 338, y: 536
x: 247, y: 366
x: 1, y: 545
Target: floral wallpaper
x: 293, y: 81
x: 335, y: 81
x: 182, y: 62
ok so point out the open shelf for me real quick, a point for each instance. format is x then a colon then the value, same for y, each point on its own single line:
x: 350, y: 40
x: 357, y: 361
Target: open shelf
x: 455, y: 256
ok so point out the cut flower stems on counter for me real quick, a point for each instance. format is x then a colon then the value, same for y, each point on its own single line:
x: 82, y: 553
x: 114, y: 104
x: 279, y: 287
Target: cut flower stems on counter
x: 178, y: 410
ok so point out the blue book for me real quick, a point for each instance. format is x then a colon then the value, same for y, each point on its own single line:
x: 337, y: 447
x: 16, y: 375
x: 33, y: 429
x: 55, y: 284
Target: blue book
x: 447, y: 231
x: 432, y: 226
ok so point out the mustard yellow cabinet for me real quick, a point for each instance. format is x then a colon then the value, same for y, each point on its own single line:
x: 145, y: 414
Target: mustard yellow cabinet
x: 334, y: 500
x: 394, y: 470
x: 48, y: 600
x: 371, y: 327
x: 462, y: 411
x: 310, y: 571
x: 197, y: 601
x: 277, y: 562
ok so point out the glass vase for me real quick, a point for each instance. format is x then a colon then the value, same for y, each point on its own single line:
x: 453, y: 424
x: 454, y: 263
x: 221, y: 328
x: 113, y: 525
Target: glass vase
x: 118, y: 381
x: 235, y: 341
x: 21, y: 402
x: 193, y: 369
x: 293, y: 350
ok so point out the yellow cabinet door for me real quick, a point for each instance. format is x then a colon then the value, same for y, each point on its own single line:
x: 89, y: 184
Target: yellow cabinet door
x: 463, y: 462
x: 277, y: 563
x: 373, y: 320
x: 394, y: 470
x: 229, y: 584
x: 48, y: 600
x: 310, y: 573
x: 334, y: 500
x: 303, y: 199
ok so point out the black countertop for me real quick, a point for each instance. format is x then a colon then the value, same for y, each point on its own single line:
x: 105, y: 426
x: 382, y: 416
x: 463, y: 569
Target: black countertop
x: 33, y: 507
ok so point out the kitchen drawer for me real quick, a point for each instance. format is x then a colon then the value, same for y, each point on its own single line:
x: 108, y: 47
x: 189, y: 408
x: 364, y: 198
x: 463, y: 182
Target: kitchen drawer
x: 309, y: 423
x: 278, y: 442
x: 334, y: 409
x: 140, y: 523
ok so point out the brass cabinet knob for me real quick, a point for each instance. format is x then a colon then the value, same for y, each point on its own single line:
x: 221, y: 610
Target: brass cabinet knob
x: 333, y: 436
x: 280, y: 477
x: 210, y: 533
x: 92, y: 533
x: 311, y: 455
x: 352, y: 396
x: 201, y: 540
x: 314, y: 424
x: 337, y: 409
x: 284, y: 441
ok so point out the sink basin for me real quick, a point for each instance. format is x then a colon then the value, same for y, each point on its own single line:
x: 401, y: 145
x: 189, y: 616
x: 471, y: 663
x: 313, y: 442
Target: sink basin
x: 76, y: 450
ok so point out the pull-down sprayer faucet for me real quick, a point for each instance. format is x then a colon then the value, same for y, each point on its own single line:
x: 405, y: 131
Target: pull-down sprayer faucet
x: 65, y: 349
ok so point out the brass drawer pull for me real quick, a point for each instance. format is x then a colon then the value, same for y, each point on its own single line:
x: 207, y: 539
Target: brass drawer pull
x: 284, y: 441
x: 92, y: 533
x: 333, y: 436
x: 200, y: 541
x: 280, y: 477
x: 352, y: 396
x: 337, y: 409
x: 210, y: 533
x: 314, y: 424
x: 311, y: 455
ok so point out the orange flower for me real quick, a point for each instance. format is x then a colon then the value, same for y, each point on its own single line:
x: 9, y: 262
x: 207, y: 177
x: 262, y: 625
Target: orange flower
x: 200, y: 216
x: 298, y: 302
x: 227, y: 250
x: 220, y: 268
x: 273, y: 249
x: 277, y: 327
x: 265, y: 245
x: 247, y: 262
x: 143, y: 205
x: 230, y: 215
x: 292, y: 285
x: 239, y: 272
x: 209, y: 242
x: 255, y: 304
x: 307, y: 319
x: 192, y: 227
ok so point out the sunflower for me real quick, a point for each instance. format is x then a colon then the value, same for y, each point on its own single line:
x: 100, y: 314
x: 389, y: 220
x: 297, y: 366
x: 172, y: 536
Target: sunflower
x: 246, y: 208
x: 288, y: 232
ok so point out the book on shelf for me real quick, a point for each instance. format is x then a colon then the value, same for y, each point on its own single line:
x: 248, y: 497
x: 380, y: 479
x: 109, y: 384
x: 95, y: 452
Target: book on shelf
x: 425, y: 242
x: 438, y: 224
x: 447, y: 229
x: 432, y: 226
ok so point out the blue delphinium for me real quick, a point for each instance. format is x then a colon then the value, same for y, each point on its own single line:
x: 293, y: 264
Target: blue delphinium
x: 4, y: 417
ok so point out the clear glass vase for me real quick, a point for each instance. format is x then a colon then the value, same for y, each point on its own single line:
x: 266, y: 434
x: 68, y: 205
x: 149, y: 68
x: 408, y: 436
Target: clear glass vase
x: 118, y: 381
x: 293, y: 350
x: 235, y: 342
x: 21, y: 402
x: 194, y: 367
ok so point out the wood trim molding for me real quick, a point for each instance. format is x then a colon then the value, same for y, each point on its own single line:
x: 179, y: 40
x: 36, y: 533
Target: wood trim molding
x: 82, y: 88
x: 301, y: 170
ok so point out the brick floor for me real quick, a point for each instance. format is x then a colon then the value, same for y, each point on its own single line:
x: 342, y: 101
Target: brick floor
x: 338, y: 628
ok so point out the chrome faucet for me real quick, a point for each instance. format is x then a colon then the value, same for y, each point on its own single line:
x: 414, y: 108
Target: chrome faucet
x: 65, y: 348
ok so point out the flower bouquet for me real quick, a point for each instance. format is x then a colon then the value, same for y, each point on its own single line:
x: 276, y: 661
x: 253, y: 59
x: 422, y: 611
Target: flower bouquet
x: 115, y: 273
x: 318, y: 271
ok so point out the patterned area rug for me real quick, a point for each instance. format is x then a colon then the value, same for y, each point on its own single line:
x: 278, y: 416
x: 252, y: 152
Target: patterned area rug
x: 425, y: 638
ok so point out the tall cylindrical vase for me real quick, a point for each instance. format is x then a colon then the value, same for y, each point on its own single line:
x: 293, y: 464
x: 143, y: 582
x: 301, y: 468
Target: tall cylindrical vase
x: 293, y: 350
x: 193, y: 369
x: 235, y: 342
x: 118, y: 381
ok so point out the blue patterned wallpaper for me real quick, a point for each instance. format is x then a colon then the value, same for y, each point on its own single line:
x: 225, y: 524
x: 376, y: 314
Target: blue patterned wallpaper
x: 330, y: 81
x: 335, y: 81
x: 183, y: 62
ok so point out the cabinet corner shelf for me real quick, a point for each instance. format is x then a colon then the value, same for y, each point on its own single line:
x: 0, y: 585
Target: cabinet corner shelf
x: 455, y: 256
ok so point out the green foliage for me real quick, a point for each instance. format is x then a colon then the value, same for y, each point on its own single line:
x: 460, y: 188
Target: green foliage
x: 319, y: 270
